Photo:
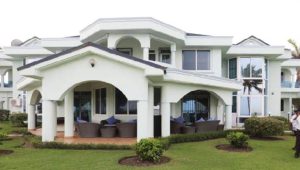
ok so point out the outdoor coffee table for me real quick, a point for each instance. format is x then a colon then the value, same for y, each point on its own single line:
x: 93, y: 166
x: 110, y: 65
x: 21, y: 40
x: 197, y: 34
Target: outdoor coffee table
x: 108, y: 131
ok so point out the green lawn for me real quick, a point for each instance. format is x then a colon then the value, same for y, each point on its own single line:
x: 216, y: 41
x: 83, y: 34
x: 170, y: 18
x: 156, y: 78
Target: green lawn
x: 199, y: 155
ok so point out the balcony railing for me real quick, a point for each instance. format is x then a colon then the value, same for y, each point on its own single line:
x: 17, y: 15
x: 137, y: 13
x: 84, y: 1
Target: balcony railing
x: 290, y: 84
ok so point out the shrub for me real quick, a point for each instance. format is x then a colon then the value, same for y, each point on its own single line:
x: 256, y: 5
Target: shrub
x: 149, y: 150
x: 4, y: 115
x: 3, y: 136
x: 238, y: 139
x: 17, y: 119
x: 285, y: 121
x: 263, y: 127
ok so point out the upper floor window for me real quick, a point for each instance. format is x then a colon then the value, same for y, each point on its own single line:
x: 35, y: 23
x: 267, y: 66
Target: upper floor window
x: 232, y: 67
x: 125, y: 50
x: 152, y: 55
x: 165, y: 55
x: 252, y: 67
x: 196, y: 60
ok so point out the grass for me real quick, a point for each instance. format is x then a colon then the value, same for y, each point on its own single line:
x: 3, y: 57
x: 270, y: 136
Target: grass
x: 195, y: 155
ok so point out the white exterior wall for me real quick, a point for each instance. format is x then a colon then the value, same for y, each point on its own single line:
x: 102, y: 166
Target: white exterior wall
x: 274, y: 92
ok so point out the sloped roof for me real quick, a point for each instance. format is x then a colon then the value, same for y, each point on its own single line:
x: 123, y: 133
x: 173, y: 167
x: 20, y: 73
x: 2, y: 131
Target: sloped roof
x: 90, y: 44
x: 252, y: 36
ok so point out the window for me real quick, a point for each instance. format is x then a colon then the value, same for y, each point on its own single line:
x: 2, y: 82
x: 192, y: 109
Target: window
x: 123, y: 106
x: 195, y: 106
x: 252, y: 67
x: 127, y: 51
x: 196, y: 59
x: 232, y: 66
x: 165, y: 55
x: 101, y: 101
x: 152, y: 55
x: 234, y: 102
x: 282, y: 105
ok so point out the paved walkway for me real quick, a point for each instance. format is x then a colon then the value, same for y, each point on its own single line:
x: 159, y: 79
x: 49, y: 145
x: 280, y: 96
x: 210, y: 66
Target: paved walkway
x: 77, y: 140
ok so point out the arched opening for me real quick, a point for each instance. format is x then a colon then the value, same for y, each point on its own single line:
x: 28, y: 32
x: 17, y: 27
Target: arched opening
x: 159, y: 51
x: 199, y: 105
x: 129, y: 45
x: 95, y: 101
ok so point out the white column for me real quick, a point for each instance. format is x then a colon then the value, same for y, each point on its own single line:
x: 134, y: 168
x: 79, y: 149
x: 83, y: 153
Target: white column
x: 146, y: 53
x: 173, y: 55
x: 142, y: 120
x: 69, y: 114
x: 31, y: 117
x: 49, y: 119
x: 228, y: 117
x: 2, y: 80
x: 290, y: 109
x: 150, y: 111
x: 165, y: 118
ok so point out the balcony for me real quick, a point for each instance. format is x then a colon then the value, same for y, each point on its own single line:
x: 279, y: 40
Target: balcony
x: 290, y: 84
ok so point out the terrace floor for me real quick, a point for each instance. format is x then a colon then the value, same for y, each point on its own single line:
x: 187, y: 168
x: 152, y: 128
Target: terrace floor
x: 77, y: 140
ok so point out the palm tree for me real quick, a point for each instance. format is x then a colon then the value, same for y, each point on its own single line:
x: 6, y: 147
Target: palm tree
x: 296, y: 53
x: 249, y: 85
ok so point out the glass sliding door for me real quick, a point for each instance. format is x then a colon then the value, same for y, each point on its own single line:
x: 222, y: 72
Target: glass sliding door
x: 195, y: 106
x: 82, y: 104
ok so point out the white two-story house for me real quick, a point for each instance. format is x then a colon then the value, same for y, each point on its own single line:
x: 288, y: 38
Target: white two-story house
x: 136, y: 68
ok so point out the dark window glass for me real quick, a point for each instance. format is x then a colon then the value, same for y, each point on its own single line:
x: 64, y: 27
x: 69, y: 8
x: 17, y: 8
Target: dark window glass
x: 132, y: 107
x: 232, y: 68
x: 127, y: 51
x: 282, y: 105
x: 257, y: 64
x: 203, y: 58
x: 157, y: 96
x: 234, y: 98
x: 152, y: 55
x: 189, y: 60
x: 101, y: 101
x: 121, y: 102
x: 166, y: 58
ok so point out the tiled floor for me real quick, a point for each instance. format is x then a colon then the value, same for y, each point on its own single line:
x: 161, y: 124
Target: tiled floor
x: 78, y: 140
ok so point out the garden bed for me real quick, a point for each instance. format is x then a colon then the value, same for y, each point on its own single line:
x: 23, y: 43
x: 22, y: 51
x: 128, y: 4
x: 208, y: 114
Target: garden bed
x: 230, y: 148
x: 135, y: 161
x: 5, y: 152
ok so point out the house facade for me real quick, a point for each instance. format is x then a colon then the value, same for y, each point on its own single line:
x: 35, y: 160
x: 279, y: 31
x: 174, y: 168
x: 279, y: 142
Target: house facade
x: 137, y: 68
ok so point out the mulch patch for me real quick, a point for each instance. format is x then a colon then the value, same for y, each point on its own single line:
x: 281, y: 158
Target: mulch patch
x: 229, y: 148
x: 5, y: 152
x: 270, y: 138
x: 135, y: 161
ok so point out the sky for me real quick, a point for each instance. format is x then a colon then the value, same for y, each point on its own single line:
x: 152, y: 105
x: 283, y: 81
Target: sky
x: 274, y: 21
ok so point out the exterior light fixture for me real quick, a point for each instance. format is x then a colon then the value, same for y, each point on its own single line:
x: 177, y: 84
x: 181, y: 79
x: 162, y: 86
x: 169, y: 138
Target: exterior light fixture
x: 92, y: 62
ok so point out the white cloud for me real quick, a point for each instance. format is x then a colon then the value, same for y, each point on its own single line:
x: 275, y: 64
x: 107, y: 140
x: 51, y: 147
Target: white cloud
x: 273, y: 21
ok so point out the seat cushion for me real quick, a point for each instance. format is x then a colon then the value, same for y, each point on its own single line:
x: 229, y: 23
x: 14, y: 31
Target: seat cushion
x: 111, y: 120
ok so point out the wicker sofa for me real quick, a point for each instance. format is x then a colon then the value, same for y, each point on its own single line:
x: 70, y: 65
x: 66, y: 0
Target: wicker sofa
x: 206, y: 126
x: 88, y: 130
x: 127, y: 129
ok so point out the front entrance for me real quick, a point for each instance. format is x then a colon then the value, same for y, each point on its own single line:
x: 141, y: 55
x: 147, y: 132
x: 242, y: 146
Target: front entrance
x: 82, y: 104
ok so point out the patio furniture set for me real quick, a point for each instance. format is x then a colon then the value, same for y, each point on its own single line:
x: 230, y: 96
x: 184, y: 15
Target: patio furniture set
x: 107, y: 128
x: 179, y: 126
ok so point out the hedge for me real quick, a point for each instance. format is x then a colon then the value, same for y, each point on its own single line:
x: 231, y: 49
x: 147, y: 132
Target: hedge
x: 264, y: 127
x: 4, y: 115
x: 17, y: 119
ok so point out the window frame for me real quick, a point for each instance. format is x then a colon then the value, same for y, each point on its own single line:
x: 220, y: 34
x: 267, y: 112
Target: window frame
x: 122, y: 50
x: 196, y: 59
x: 127, y: 104
x: 98, y: 104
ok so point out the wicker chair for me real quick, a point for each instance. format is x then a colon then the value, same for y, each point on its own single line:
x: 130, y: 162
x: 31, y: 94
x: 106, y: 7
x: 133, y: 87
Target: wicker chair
x: 206, y: 126
x: 176, y: 128
x: 88, y: 130
x: 127, y: 130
